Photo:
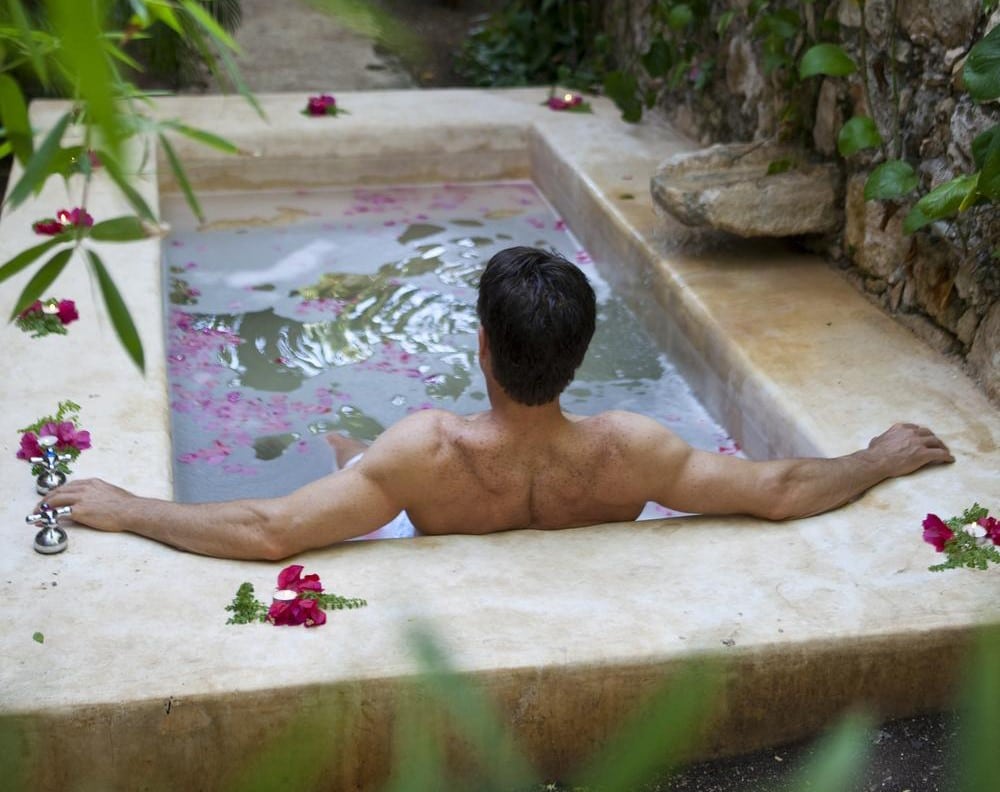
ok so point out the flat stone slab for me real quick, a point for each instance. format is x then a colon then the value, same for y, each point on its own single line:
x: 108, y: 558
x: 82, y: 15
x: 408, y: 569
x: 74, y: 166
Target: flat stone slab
x: 749, y: 189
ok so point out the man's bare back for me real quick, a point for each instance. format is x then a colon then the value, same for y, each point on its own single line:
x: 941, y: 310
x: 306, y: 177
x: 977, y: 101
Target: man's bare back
x: 521, y: 464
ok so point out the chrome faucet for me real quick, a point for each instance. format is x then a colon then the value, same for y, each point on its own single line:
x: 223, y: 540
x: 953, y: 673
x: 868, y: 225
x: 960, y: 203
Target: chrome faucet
x: 50, y: 477
x: 52, y: 538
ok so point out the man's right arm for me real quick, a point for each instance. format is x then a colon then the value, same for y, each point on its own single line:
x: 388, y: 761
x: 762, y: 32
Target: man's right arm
x: 705, y: 483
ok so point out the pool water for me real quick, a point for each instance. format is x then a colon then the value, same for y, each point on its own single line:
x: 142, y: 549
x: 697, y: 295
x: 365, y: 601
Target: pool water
x: 293, y: 314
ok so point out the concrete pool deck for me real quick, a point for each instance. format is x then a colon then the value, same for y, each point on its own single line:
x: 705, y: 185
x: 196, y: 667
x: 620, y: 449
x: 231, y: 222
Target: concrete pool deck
x: 139, y: 683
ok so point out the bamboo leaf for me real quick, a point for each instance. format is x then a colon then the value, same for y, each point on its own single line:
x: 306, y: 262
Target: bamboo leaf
x: 980, y: 735
x: 121, y: 319
x: 164, y: 12
x: 210, y: 26
x: 5, y: 149
x: 42, y: 280
x: 233, y: 72
x: 27, y: 38
x: 120, y: 55
x: 857, y: 134
x: 203, y: 136
x: 981, y: 72
x: 828, y: 59
x: 26, y: 257
x: 890, y: 180
x: 182, y: 179
x: 38, y: 168
x: 656, y: 738
x: 839, y: 758
x: 132, y: 195
x: 119, y: 229
x: 14, y: 115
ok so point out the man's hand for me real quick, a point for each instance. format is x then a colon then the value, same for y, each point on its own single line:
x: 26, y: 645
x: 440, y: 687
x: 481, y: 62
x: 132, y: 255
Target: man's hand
x: 95, y: 503
x: 906, y: 447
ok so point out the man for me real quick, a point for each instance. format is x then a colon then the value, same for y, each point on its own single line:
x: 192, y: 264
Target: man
x: 521, y: 464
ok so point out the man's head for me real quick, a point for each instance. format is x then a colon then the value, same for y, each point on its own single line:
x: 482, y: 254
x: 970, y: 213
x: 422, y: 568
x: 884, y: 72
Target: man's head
x: 538, y: 312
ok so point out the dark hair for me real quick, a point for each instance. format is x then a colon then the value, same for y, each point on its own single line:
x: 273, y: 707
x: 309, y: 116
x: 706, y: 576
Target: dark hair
x: 538, y: 313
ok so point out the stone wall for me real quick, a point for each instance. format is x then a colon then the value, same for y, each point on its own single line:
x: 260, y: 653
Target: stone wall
x: 942, y: 282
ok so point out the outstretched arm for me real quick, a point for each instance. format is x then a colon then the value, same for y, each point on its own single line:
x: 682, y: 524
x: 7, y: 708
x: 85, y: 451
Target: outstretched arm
x: 704, y: 483
x: 337, y: 507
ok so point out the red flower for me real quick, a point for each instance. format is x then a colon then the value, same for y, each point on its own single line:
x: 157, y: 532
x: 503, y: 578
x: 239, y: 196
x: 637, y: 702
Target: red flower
x: 321, y: 105
x: 564, y: 102
x: 29, y: 446
x: 288, y: 578
x: 67, y: 311
x: 65, y: 219
x: 290, y: 613
x: 992, y: 526
x: 936, y: 532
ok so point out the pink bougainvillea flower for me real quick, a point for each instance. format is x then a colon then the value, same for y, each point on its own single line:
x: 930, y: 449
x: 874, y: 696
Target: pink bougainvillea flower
x: 290, y: 580
x: 68, y: 435
x: 64, y: 220
x: 290, y: 613
x: 67, y: 311
x: 564, y: 101
x: 936, y: 532
x: 29, y: 446
x: 992, y: 526
x: 321, y: 105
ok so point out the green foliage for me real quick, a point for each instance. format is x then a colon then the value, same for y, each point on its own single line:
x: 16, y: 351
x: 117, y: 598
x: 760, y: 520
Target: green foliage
x: 943, y: 201
x: 72, y: 46
x: 858, y: 134
x: 335, y: 601
x: 623, y: 89
x: 536, y: 42
x: 981, y: 72
x: 38, y: 637
x: 828, y: 59
x: 245, y: 607
x: 963, y: 549
x: 890, y: 180
x: 840, y: 758
x: 980, y: 706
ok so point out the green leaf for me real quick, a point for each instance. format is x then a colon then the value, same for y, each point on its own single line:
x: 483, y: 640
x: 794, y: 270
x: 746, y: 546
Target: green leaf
x: 164, y: 12
x: 5, y: 149
x: 890, y: 180
x: 946, y: 199
x: 658, y: 58
x: 828, y: 59
x: 725, y: 19
x: 979, y: 761
x: 119, y: 229
x: 26, y: 257
x: 943, y: 201
x: 14, y: 116
x: 27, y: 38
x: 201, y: 136
x: 623, y: 90
x: 135, y: 200
x: 779, y: 166
x: 121, y: 319
x: 233, y: 72
x: 79, y: 30
x: 39, y: 167
x: 210, y: 26
x: 657, y: 738
x: 42, y: 280
x: 783, y: 24
x: 38, y: 638
x: 680, y: 16
x: 981, y: 72
x: 857, y: 134
x: 120, y: 55
x: 984, y: 143
x: 839, y: 759
x: 182, y: 179
x: 989, y: 176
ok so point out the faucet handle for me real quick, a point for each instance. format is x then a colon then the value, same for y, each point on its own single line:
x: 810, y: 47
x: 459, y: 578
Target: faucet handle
x: 51, y: 538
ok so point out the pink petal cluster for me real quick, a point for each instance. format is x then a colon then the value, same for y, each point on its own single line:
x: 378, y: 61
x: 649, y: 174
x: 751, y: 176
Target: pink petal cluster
x: 301, y: 610
x: 936, y: 532
x: 64, y: 309
x: 65, y: 219
x: 992, y: 526
x: 66, y: 434
x: 564, y: 102
x: 321, y: 105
